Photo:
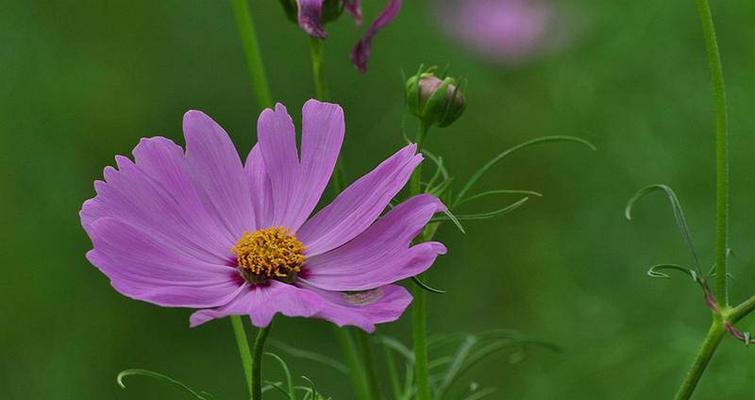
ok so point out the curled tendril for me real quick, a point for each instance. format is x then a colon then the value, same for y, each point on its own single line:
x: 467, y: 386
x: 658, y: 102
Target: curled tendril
x: 676, y: 206
x: 656, y: 271
x: 162, y: 378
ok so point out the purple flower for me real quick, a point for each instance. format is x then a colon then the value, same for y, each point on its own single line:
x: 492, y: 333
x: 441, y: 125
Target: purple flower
x: 505, y: 31
x: 199, y: 229
x: 310, y: 20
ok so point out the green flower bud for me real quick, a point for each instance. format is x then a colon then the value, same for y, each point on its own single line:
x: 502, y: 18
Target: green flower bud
x: 434, y: 100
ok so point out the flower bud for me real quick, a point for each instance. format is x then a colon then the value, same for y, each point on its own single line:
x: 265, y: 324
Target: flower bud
x: 433, y: 100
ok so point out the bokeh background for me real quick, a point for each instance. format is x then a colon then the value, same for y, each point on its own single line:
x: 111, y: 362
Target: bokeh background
x: 83, y: 81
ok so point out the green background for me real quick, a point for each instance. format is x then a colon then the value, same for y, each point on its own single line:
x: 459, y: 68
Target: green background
x: 82, y: 81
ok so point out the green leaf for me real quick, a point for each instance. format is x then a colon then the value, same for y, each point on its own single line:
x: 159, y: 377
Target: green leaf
x: 485, y: 168
x: 494, y: 192
x: 427, y: 287
x: 310, y: 355
x: 487, y: 215
x: 481, y: 394
x: 397, y: 346
x: 456, y: 365
x: 286, y: 373
x: 656, y: 271
x: 676, y: 207
x: 160, y: 377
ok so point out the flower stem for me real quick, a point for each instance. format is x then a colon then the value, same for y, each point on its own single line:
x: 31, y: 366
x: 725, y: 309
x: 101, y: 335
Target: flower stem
x: 722, y: 150
x: 316, y: 47
x: 717, y: 328
x: 419, y: 305
x: 254, y: 64
x: 356, y: 368
x: 243, y: 345
x: 257, y: 351
x: 704, y: 355
x: 742, y: 310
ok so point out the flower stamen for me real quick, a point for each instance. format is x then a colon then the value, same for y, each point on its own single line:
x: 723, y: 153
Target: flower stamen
x: 271, y: 253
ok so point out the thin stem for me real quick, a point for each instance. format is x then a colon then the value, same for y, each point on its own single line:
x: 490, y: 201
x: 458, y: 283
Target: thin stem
x: 257, y: 352
x: 365, y: 346
x: 254, y: 64
x: 244, y: 352
x: 419, y: 305
x: 704, y: 355
x: 742, y: 310
x: 722, y: 150
x: 356, y: 368
x: 316, y: 47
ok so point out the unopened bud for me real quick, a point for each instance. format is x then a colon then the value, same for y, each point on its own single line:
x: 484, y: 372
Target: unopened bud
x: 434, y: 100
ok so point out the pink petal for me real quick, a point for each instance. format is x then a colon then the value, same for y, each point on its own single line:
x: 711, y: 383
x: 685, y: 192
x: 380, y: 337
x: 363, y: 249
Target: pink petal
x: 381, y: 254
x: 365, y: 309
x: 146, y: 268
x: 260, y: 187
x: 218, y: 173
x: 261, y: 303
x: 360, y: 54
x: 309, y: 18
x: 360, y: 204
x: 277, y: 142
x: 296, y: 187
x: 157, y: 196
x: 323, y: 128
x: 354, y: 8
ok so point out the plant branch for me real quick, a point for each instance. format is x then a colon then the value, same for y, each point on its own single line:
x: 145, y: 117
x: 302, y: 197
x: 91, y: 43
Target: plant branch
x: 252, y: 53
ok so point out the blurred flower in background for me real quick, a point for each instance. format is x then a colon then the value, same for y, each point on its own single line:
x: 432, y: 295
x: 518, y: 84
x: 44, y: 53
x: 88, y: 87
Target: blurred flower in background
x: 507, y: 32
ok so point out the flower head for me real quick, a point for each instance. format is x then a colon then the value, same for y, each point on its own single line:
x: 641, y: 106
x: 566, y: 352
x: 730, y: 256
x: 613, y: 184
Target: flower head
x: 508, y: 32
x: 199, y: 229
x: 434, y: 100
x: 312, y: 15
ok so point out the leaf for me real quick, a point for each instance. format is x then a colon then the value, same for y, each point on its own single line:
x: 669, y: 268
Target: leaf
x: 397, y: 346
x: 427, y: 287
x: 451, y: 217
x: 485, y: 168
x: 286, y: 372
x: 160, y: 377
x: 494, y: 192
x: 481, y: 394
x: 458, y: 362
x: 489, y: 214
x: 676, y: 206
x: 310, y: 355
x: 656, y: 271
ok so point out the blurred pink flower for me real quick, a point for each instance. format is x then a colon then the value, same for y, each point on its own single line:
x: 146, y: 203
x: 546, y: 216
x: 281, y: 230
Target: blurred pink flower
x: 508, y: 32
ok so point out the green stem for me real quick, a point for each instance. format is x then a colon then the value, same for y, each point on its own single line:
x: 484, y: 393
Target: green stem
x: 419, y: 305
x: 356, y: 368
x: 257, y: 352
x: 704, y: 355
x: 254, y: 64
x: 722, y: 150
x: 368, y: 358
x: 243, y: 345
x: 316, y: 47
x: 742, y: 310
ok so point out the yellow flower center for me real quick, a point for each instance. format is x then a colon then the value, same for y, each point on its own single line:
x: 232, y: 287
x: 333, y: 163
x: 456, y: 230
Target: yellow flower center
x: 271, y: 253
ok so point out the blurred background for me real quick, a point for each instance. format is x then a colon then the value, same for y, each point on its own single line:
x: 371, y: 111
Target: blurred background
x: 83, y: 82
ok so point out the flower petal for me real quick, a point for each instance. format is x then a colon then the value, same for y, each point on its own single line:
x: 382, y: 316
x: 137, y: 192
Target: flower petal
x: 309, y: 18
x: 277, y: 141
x: 360, y: 54
x: 364, y: 309
x: 360, y: 204
x: 146, y: 268
x: 216, y: 169
x: 259, y: 186
x: 261, y: 303
x: 354, y: 8
x: 381, y: 254
x: 156, y: 195
x: 322, y: 135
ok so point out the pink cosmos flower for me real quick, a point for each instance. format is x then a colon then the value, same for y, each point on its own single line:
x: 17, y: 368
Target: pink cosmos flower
x: 509, y: 32
x: 199, y: 229
x: 309, y: 16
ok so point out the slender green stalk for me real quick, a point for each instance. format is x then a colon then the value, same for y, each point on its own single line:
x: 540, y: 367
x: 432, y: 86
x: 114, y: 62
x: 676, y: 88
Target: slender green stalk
x: 243, y: 345
x: 257, y: 352
x: 316, y: 47
x: 419, y: 305
x: 722, y: 150
x: 254, y: 63
x: 704, y: 355
x: 356, y: 368
x: 742, y: 310
x: 368, y: 358
x: 717, y: 328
